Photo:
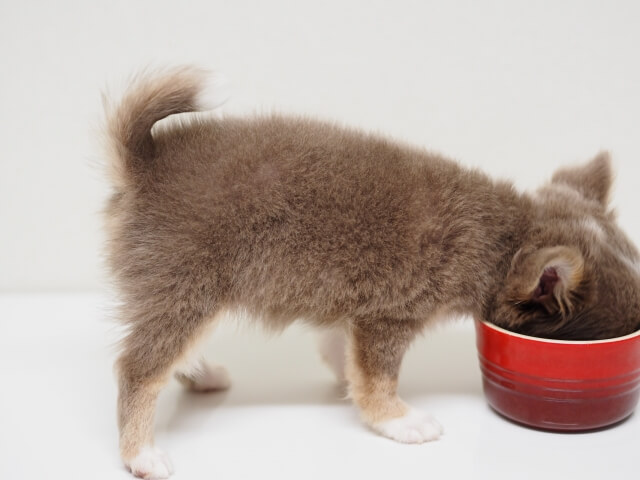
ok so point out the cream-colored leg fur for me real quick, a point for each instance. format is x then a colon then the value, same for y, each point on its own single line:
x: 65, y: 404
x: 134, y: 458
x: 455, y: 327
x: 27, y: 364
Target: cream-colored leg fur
x: 332, y: 346
x: 373, y: 363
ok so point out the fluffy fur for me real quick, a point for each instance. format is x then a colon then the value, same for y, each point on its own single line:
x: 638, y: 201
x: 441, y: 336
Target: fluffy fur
x: 290, y: 218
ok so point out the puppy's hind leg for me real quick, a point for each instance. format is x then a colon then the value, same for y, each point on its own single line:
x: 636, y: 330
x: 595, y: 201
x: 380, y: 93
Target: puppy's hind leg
x: 373, y: 362
x: 160, y: 335
x: 332, y: 344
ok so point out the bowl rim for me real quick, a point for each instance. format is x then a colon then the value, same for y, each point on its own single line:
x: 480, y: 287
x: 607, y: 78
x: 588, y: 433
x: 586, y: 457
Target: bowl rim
x: 561, y: 342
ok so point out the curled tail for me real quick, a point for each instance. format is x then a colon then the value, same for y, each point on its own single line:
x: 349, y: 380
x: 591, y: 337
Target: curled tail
x: 151, y: 97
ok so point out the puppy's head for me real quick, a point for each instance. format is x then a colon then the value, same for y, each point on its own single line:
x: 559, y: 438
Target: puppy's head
x: 577, y: 277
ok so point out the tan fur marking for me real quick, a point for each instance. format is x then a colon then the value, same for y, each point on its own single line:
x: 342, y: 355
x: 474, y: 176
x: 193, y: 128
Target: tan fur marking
x: 377, y: 400
x: 375, y: 395
x: 136, y: 419
x: 568, y: 263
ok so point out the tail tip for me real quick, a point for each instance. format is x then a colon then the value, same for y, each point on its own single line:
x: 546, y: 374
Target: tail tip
x: 215, y: 91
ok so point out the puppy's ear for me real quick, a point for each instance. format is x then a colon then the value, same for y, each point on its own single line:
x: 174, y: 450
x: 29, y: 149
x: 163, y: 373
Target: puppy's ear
x: 592, y: 180
x: 548, y: 278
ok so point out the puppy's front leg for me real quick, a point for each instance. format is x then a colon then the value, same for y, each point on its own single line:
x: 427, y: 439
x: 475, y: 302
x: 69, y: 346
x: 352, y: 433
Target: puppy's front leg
x: 373, y: 362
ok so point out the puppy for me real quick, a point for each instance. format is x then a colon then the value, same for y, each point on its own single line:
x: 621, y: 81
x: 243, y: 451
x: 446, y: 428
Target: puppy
x: 291, y: 218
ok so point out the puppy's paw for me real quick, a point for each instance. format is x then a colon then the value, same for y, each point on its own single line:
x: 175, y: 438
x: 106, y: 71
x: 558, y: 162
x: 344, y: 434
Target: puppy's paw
x: 414, y: 427
x: 206, y: 378
x: 151, y: 464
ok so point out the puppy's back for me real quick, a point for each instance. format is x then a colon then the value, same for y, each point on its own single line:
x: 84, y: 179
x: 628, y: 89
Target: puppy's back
x: 287, y: 216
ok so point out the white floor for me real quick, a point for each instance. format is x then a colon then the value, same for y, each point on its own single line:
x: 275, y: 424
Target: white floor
x: 283, y: 417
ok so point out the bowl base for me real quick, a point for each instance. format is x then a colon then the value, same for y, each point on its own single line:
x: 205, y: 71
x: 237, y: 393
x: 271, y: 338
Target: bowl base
x: 560, y: 415
x: 563, y: 429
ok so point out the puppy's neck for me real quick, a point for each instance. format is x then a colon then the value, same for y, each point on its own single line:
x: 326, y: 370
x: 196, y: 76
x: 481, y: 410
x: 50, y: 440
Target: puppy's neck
x: 477, y: 225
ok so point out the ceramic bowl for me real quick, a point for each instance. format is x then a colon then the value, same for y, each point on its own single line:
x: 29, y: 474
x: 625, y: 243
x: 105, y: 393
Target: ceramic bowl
x: 559, y: 385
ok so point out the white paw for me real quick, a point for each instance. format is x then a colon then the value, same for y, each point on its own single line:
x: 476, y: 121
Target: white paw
x: 205, y: 378
x: 211, y: 378
x: 414, y: 427
x: 151, y: 463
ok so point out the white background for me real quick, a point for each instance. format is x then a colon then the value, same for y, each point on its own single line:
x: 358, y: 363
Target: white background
x: 514, y: 88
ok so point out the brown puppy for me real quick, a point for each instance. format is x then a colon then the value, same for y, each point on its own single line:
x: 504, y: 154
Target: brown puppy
x: 288, y: 218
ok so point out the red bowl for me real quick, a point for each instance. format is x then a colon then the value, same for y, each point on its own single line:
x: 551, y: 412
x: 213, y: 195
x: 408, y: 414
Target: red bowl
x: 556, y: 384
